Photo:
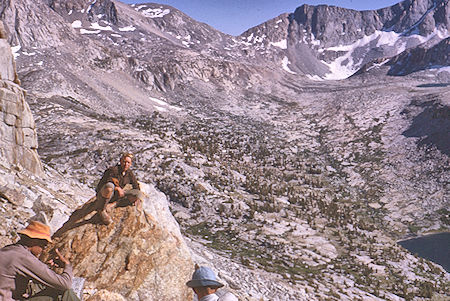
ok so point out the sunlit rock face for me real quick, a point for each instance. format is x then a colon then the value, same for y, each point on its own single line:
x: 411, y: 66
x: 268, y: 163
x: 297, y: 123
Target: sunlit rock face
x: 18, y: 140
x: 134, y: 258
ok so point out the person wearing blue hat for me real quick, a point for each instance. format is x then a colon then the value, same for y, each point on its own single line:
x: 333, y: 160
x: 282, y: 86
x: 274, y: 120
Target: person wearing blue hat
x: 205, y: 285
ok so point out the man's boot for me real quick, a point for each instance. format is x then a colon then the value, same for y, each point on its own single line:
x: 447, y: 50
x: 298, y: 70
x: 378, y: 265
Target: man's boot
x: 102, y: 205
x: 105, y: 218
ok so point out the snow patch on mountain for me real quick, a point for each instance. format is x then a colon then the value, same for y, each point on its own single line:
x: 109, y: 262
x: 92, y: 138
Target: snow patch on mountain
x: 97, y: 26
x: 281, y: 44
x: 312, y: 39
x: 160, y: 109
x: 162, y: 105
x: 152, y: 12
x: 128, y: 28
x: 284, y: 63
x: 15, y: 51
x: 85, y: 31
x: 76, y: 24
x: 345, y: 65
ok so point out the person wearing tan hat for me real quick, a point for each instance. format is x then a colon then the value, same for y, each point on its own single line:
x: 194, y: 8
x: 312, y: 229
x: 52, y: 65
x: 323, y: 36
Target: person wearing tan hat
x: 19, y: 264
x: 112, y: 188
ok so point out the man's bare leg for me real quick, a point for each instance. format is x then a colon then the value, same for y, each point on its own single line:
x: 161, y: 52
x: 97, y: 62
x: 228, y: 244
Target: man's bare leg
x: 135, y: 201
x: 104, y: 196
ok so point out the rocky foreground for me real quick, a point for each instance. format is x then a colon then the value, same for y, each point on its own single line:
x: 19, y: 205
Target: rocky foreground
x: 291, y: 188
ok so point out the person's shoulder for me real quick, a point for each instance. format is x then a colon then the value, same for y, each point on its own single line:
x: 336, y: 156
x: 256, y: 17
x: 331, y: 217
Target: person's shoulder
x: 14, y: 247
x: 228, y: 296
x: 11, y: 248
x: 113, y: 169
x: 20, y: 253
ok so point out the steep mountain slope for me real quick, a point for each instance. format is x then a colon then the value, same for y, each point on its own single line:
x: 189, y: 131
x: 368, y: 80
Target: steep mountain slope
x: 421, y: 58
x: 295, y: 189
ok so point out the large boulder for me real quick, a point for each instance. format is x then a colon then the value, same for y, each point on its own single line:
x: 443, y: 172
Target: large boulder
x: 140, y: 256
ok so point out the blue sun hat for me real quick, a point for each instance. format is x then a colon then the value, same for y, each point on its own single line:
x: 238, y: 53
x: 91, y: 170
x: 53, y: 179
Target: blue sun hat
x: 204, y: 276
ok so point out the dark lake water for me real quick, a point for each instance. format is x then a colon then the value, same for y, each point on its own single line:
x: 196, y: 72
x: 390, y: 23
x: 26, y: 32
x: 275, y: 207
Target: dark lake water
x: 435, y: 247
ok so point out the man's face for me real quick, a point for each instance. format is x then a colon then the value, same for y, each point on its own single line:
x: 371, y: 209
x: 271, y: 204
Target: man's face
x: 125, y: 163
x: 37, y: 248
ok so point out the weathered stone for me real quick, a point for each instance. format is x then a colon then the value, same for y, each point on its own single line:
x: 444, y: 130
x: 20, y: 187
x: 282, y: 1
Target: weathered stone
x: 29, y: 138
x: 11, y: 195
x: 3, y: 34
x: 18, y: 139
x: 9, y: 119
x: 104, y: 295
x: 7, y: 71
x: 136, y: 257
x: 27, y: 120
x: 7, y: 134
x: 11, y: 104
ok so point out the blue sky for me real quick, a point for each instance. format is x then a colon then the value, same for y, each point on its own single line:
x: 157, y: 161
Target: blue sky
x: 236, y: 16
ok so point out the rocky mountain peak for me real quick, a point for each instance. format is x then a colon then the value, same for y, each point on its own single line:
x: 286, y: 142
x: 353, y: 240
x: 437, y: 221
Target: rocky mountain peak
x: 93, y: 11
x: 421, y: 58
x: 333, y: 42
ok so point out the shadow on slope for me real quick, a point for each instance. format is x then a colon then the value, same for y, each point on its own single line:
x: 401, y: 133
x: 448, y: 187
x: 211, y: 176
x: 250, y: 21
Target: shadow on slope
x: 432, y: 125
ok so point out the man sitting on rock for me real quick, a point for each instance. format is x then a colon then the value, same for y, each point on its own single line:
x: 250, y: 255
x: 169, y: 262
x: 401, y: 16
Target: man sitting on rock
x: 19, y: 264
x: 113, y: 188
x: 205, y: 285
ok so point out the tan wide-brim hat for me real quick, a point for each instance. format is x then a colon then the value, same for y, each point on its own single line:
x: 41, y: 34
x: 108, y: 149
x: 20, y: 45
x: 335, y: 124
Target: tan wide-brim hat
x: 37, y: 230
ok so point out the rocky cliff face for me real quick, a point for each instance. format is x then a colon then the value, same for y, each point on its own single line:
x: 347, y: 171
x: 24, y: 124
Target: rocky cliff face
x: 18, y: 139
x: 421, y: 58
x: 39, y: 32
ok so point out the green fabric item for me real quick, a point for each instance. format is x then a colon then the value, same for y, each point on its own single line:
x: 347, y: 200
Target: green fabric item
x: 49, y: 294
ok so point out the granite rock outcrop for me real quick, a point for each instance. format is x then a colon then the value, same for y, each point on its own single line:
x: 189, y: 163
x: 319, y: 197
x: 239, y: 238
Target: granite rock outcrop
x: 135, y: 258
x: 18, y: 139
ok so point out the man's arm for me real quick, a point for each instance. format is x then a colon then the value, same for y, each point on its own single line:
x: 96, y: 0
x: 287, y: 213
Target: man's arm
x: 37, y: 270
x: 134, y: 181
x: 108, y: 176
x: 111, y: 174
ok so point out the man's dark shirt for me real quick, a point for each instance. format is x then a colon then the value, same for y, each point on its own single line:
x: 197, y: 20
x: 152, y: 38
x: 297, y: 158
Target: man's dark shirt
x: 116, y: 173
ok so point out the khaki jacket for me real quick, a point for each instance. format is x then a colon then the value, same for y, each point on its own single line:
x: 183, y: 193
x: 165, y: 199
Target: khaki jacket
x: 18, y: 265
